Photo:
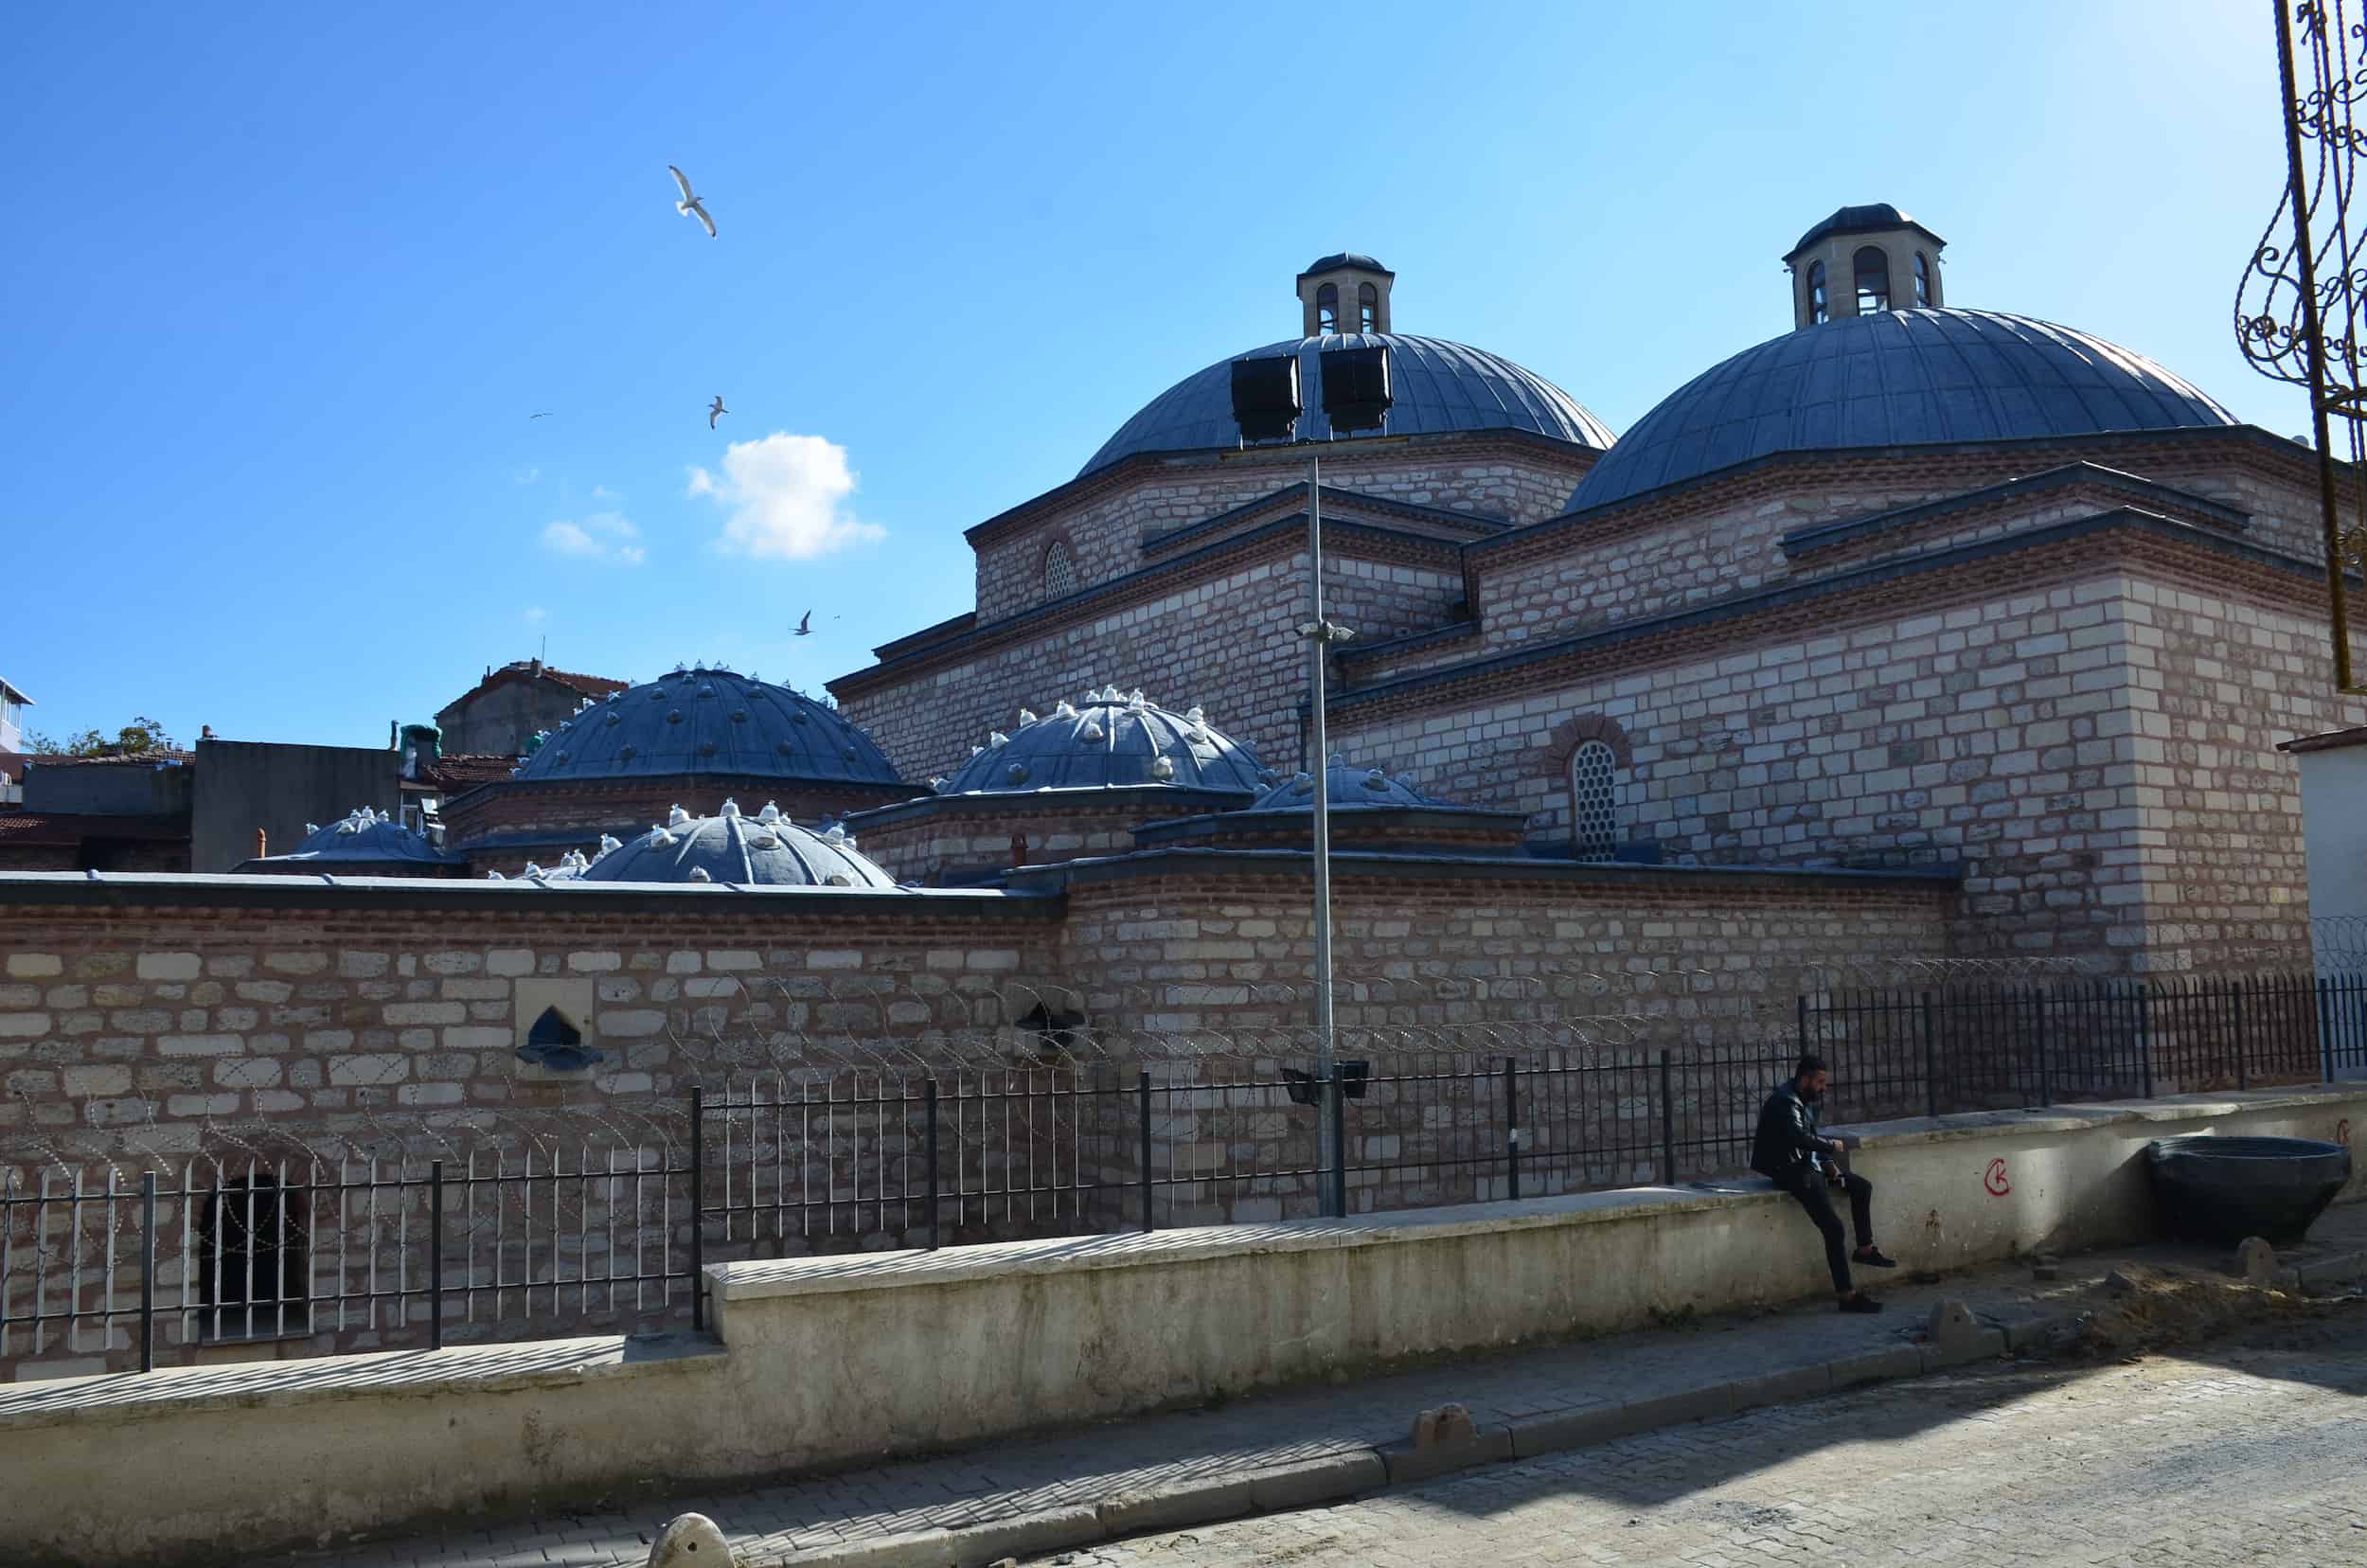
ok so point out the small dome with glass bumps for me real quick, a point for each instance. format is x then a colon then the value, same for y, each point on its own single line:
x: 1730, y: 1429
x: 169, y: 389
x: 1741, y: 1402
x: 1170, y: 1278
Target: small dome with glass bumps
x: 1111, y: 738
x: 764, y: 850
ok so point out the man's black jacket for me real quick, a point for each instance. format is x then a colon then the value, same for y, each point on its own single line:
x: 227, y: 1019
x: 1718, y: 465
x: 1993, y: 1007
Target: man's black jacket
x: 1785, y: 1144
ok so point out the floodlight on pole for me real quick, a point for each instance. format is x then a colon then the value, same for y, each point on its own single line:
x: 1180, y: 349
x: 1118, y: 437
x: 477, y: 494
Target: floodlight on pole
x: 1267, y: 406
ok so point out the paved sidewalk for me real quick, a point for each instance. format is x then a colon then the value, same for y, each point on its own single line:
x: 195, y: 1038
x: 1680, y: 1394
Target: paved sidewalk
x: 1330, y: 1433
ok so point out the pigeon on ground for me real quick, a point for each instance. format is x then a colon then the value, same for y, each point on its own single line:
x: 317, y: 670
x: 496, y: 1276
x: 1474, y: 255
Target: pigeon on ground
x: 690, y: 1541
x: 690, y: 205
x: 804, y: 626
x: 717, y: 412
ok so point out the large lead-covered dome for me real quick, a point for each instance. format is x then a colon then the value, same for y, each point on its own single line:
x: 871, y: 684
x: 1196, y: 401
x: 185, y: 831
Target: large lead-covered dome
x: 1439, y: 386
x: 1896, y: 377
x: 708, y: 721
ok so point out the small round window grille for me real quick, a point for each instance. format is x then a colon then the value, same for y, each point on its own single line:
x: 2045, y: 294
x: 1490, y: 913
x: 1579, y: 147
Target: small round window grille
x: 673, y: 715
x: 627, y: 753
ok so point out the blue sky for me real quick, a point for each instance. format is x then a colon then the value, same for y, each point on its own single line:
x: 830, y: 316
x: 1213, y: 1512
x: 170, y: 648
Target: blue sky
x: 283, y: 290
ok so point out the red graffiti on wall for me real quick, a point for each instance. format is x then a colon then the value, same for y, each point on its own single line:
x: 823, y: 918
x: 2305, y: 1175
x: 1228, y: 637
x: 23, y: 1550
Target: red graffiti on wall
x: 1997, y: 1181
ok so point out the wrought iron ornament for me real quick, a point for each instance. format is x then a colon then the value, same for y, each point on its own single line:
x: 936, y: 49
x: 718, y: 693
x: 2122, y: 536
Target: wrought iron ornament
x: 2300, y: 309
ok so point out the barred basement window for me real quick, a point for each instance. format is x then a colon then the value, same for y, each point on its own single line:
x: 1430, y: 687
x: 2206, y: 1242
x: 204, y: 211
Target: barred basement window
x: 250, y: 1259
x: 1059, y: 572
x: 1594, y: 800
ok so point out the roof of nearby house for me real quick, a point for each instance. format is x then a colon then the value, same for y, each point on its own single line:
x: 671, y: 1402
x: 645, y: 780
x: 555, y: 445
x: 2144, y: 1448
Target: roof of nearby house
x: 456, y: 773
x: 159, y: 759
x: 69, y: 827
x: 535, y: 669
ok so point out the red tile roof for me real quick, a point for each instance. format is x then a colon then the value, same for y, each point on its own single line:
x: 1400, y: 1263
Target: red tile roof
x: 466, y: 770
x: 534, y: 669
x: 139, y: 759
x: 18, y: 826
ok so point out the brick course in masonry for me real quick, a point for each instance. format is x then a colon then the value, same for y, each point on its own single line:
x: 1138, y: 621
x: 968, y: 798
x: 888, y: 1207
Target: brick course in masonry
x: 1104, y: 517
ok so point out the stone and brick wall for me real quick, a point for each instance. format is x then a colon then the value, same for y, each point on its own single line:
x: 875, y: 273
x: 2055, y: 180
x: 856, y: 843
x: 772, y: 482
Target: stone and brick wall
x: 301, y: 1004
x: 1105, y: 518
x: 225, y: 1022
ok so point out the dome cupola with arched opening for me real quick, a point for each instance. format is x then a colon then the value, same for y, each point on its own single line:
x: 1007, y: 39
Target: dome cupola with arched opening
x: 1862, y: 259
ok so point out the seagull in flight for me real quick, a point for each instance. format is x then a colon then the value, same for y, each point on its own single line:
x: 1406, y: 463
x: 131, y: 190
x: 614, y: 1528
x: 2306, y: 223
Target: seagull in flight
x: 804, y: 626
x: 544, y: 415
x: 717, y: 412
x: 690, y: 206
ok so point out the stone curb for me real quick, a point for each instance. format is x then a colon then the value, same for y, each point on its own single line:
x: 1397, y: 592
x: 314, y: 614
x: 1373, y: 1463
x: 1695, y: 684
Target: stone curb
x: 2341, y: 1267
x: 1360, y: 1470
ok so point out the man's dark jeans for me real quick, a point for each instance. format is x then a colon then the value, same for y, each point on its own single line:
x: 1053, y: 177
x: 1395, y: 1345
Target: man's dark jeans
x: 1810, y: 1188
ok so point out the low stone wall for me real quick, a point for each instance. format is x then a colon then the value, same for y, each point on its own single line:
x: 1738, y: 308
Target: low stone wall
x: 844, y: 1361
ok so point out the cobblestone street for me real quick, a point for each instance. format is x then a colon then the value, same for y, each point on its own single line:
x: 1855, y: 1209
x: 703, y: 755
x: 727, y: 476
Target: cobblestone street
x: 2249, y: 1450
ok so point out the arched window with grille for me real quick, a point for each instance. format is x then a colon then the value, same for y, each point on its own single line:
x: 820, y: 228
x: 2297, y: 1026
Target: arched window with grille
x: 1923, y: 281
x: 1817, y: 311
x: 1368, y: 308
x: 1060, y: 571
x: 1594, y: 800
x: 1327, y: 308
x: 1872, y: 265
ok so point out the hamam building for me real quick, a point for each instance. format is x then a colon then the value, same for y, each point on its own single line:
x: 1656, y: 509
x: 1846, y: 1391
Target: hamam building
x: 1912, y: 584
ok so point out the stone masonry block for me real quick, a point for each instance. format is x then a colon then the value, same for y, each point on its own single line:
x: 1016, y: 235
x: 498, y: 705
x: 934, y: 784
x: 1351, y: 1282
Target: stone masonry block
x: 200, y: 1045
x: 170, y: 966
x: 368, y: 1068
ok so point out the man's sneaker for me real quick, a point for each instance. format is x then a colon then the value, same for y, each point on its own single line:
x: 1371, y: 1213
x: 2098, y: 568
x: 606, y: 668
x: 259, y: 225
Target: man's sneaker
x: 1871, y: 1257
x: 1860, y: 1302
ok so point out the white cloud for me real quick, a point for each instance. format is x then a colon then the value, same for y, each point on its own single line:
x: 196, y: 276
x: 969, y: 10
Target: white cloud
x: 528, y: 476
x: 536, y: 616
x: 601, y: 493
x: 601, y: 536
x: 787, y: 496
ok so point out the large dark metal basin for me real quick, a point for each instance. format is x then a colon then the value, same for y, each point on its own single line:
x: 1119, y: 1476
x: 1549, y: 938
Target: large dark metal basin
x: 2221, y: 1190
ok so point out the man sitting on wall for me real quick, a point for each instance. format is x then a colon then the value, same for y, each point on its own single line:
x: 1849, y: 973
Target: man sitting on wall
x: 1788, y: 1151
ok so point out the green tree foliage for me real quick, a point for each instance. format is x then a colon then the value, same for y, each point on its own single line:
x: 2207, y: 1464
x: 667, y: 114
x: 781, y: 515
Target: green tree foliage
x: 137, y: 738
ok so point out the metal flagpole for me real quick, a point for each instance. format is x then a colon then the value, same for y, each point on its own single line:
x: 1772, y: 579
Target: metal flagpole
x: 1319, y: 636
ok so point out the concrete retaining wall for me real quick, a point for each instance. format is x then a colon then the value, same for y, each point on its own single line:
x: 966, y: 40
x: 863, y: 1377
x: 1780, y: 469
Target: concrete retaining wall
x: 843, y: 1361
